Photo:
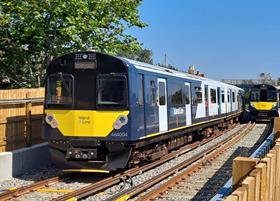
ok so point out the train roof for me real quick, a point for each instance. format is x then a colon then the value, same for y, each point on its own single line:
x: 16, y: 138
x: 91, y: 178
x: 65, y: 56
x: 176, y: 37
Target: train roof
x: 140, y: 65
x: 265, y: 86
x: 167, y: 71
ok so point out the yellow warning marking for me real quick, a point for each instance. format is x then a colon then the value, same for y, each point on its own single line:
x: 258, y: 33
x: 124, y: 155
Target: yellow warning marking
x: 48, y: 190
x: 86, y: 170
x: 123, y: 198
x: 72, y: 199
x: 12, y: 189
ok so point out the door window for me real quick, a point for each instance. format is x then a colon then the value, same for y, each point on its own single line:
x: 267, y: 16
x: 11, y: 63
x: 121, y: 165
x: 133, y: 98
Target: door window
x: 162, y: 95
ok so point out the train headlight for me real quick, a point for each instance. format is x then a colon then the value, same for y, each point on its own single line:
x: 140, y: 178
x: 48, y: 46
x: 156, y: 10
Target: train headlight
x: 274, y: 106
x: 252, y: 105
x: 51, y: 120
x: 120, y: 122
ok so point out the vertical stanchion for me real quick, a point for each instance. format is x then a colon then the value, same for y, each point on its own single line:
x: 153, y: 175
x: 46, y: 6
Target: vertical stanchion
x: 28, y: 108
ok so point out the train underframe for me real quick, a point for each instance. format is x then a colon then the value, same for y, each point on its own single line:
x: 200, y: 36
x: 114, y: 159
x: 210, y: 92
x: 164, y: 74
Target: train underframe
x: 80, y: 154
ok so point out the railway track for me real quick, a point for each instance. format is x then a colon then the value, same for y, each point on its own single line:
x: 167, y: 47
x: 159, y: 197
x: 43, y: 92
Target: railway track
x: 200, y: 177
x: 91, y: 188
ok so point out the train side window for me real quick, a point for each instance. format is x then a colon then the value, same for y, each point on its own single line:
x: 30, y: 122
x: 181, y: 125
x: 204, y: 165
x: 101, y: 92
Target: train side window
x: 153, y: 92
x: 213, y: 95
x: 176, y: 94
x: 223, y: 96
x: 198, y: 95
x: 162, y: 94
x: 233, y: 97
x: 140, y: 89
x: 228, y: 97
x: 187, y: 95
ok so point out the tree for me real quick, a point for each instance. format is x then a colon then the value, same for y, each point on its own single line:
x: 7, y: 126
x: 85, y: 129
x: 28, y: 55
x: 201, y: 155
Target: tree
x: 32, y: 32
x: 278, y: 81
x: 168, y: 66
x: 265, y: 78
x: 143, y: 55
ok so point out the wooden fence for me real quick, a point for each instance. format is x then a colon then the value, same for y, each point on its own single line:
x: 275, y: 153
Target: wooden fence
x: 258, y: 179
x: 21, y: 113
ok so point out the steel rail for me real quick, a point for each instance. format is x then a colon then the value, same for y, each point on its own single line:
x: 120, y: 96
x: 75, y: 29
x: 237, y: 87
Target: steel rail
x: 198, y: 159
x: 108, y: 182
x: 32, y: 187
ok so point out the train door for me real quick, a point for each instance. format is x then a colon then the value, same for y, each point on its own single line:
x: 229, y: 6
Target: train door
x: 219, y: 100
x: 213, y: 106
x: 140, y: 105
x: 188, y: 104
x: 162, y: 105
x: 230, y: 100
x: 234, y: 101
x: 206, y: 97
x: 223, y: 102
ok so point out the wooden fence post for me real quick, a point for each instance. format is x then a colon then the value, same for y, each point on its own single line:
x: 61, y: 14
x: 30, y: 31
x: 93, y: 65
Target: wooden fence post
x: 267, y: 161
x: 28, y: 108
x: 242, y: 166
x: 256, y: 173
x: 277, y: 170
x: 249, y: 184
x: 272, y: 157
x: 263, y: 188
x: 277, y: 126
x: 241, y: 193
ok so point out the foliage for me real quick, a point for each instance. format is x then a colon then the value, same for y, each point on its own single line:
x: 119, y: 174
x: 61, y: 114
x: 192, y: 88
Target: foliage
x: 140, y: 54
x: 266, y: 78
x: 168, y: 66
x: 32, y: 32
x: 278, y: 81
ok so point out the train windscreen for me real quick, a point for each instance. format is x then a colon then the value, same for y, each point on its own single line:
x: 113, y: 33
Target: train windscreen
x: 263, y: 95
x: 112, y: 92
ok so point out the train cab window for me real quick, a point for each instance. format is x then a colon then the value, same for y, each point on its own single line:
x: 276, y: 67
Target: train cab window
x: 162, y: 95
x: 198, y: 95
x: 233, y: 97
x: 223, y: 96
x: 111, y: 91
x: 271, y: 95
x: 153, y: 92
x: 60, y: 89
x: 213, y: 95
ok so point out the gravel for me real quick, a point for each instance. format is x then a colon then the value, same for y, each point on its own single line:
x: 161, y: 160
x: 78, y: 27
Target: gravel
x: 203, y: 184
x: 30, y: 177
x: 85, y: 179
x: 156, y: 171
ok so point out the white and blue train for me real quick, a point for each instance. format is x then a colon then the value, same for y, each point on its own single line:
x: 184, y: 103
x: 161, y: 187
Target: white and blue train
x: 104, y: 113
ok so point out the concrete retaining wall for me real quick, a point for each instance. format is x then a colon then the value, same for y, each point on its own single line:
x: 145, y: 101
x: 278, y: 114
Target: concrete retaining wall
x: 17, y: 162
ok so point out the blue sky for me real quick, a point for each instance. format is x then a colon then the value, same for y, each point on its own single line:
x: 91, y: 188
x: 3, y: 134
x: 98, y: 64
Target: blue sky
x: 223, y: 38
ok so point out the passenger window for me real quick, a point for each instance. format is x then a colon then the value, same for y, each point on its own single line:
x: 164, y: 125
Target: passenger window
x: 153, y: 93
x: 223, y: 96
x: 198, y: 95
x: 233, y: 97
x: 228, y: 97
x: 213, y: 95
x: 162, y: 93
x: 176, y: 94
x: 187, y: 95
x: 141, y: 89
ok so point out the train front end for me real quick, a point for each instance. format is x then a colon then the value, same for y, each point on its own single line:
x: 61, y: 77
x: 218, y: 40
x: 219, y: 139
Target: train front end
x: 264, y: 102
x: 86, y: 112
